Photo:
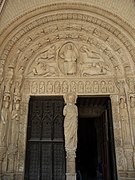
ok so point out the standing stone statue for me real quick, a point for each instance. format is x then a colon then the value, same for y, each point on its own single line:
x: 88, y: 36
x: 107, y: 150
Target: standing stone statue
x: 70, y: 131
x: 5, y: 116
x: 125, y: 122
x: 132, y: 107
x: 70, y: 122
x: 9, y: 79
x: 15, y: 122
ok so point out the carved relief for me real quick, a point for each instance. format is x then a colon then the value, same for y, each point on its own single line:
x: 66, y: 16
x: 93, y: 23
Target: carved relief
x: 45, y: 63
x: 18, y: 82
x: 48, y: 55
x: 41, y: 87
x: 73, y: 86
x: 103, y: 87
x: 131, y: 84
x: 11, y: 155
x: 95, y: 87
x: 121, y: 160
x: 72, y: 59
x: 68, y: 55
x: 25, y: 43
x: 110, y: 87
x: 116, y: 121
x: 43, y: 69
x: 124, y: 117
x: 22, y: 132
x: 34, y: 87
x: 92, y: 63
x: 129, y: 158
x: 87, y: 87
x: 8, y: 80
x: 121, y: 86
x: 97, y: 32
x: 67, y: 50
x: 49, y: 87
x: 65, y: 87
x: 58, y: 86
x: 5, y: 116
x: 132, y: 109
x: 15, y: 121
x: 80, y: 87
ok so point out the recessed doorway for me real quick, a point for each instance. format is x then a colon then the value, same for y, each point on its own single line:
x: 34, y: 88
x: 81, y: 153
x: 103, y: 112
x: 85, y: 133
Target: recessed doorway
x: 45, y: 152
x: 95, y: 156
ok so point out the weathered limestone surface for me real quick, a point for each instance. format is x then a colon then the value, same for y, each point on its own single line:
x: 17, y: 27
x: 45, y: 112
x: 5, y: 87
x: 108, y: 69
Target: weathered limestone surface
x: 70, y: 112
x: 57, y: 50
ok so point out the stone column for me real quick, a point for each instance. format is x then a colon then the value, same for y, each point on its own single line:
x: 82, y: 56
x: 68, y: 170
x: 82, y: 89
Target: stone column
x: 2, y: 154
x: 70, y: 132
x: 120, y: 157
x: 70, y: 165
x: 22, y: 134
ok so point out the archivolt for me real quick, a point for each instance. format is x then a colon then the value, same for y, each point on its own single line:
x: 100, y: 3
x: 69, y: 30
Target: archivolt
x: 33, y: 31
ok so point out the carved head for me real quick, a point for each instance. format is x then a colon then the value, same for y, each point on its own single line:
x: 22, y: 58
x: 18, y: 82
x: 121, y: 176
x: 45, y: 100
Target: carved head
x: 6, y: 104
x: 70, y: 98
x: 69, y: 47
x: 6, y: 100
x: 122, y: 102
x: 17, y: 105
x: 132, y: 101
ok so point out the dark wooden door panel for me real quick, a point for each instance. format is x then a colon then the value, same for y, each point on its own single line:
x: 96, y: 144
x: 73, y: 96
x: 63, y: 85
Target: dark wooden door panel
x: 45, y: 154
x: 34, y: 153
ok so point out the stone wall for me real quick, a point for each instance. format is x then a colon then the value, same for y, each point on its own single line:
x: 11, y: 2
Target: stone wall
x: 64, y: 49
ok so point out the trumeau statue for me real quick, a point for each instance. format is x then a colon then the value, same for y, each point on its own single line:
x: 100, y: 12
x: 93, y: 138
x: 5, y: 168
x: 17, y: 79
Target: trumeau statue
x: 70, y: 122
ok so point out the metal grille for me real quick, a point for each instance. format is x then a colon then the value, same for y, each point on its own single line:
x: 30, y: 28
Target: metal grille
x: 45, y: 155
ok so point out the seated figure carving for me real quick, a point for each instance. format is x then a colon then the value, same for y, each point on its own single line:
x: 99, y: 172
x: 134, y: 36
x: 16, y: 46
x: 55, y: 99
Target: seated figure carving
x: 43, y: 69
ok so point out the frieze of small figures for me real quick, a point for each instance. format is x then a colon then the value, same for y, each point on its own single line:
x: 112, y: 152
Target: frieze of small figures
x: 62, y: 86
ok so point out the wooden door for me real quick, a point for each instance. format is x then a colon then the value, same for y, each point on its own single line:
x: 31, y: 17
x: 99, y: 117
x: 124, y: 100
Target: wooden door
x: 45, y: 155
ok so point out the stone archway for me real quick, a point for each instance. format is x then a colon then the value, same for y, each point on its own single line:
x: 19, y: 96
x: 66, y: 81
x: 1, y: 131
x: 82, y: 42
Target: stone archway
x: 54, y: 51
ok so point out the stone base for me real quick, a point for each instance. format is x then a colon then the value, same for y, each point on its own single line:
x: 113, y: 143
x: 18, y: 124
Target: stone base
x: 11, y: 176
x: 70, y: 176
x: 127, y: 175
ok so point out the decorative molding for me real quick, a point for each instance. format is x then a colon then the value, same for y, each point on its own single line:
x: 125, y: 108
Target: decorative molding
x: 58, y: 86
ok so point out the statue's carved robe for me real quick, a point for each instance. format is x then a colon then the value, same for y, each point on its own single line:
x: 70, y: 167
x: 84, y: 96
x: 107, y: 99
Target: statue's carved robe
x: 70, y: 126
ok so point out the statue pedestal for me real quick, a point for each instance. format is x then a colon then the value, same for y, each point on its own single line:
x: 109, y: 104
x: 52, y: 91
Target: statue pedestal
x: 70, y: 176
x: 2, y: 153
x: 70, y: 170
